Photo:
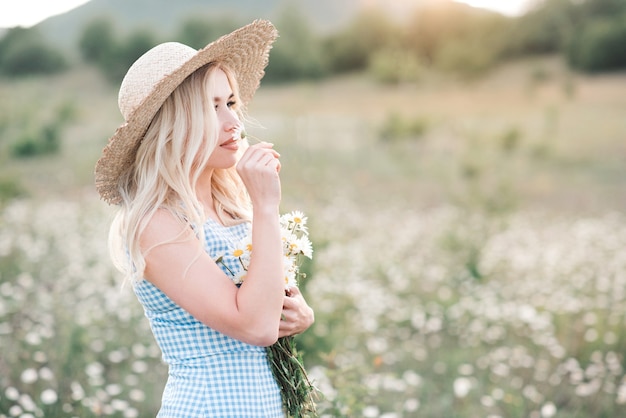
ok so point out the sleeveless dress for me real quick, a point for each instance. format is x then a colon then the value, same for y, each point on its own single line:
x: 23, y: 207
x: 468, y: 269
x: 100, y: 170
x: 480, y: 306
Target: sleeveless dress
x: 210, y: 374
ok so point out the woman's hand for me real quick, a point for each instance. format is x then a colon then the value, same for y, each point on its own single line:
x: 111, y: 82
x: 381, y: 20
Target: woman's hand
x: 258, y: 168
x: 297, y: 315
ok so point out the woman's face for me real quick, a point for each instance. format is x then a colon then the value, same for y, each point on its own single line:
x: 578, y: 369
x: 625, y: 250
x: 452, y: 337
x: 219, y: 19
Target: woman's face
x: 225, y: 153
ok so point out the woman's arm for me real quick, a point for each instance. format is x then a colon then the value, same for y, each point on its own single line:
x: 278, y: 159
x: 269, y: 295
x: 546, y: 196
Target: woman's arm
x: 177, y: 264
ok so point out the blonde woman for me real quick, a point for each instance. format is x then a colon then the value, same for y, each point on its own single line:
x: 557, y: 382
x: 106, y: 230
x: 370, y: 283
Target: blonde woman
x: 188, y: 188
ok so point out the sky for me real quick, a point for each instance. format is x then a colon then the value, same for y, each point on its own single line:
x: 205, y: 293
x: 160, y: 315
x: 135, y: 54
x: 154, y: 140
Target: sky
x: 30, y: 12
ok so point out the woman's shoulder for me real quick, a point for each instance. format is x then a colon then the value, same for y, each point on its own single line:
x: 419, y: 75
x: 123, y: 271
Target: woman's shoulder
x: 163, y: 226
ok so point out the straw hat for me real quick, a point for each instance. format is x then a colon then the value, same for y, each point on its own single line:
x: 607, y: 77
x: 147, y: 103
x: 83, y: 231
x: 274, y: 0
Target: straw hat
x: 157, y: 73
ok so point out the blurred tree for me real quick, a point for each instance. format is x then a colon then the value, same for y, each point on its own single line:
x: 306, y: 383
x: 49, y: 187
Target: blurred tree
x: 479, y: 48
x: 427, y: 29
x: 353, y: 48
x: 23, y: 51
x: 599, y: 46
x: 125, y: 53
x: 545, y: 29
x: 297, y: 53
x: 456, y: 38
x: 97, y: 40
x: 99, y: 46
x: 589, y: 32
x: 197, y: 32
x: 602, y: 8
x: 438, y: 23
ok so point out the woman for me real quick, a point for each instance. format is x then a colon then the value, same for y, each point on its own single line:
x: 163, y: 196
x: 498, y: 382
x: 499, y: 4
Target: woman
x: 188, y: 188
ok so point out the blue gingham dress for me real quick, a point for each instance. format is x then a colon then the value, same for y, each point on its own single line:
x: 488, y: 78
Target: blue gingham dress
x: 210, y: 374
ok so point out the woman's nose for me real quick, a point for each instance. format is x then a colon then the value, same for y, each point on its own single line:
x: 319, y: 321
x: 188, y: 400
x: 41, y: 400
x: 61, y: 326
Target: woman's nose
x: 230, y: 121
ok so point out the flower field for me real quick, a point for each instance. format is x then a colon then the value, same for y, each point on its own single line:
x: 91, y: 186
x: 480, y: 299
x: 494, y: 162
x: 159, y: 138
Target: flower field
x: 432, y: 313
x: 468, y: 250
x: 73, y: 342
x: 449, y: 314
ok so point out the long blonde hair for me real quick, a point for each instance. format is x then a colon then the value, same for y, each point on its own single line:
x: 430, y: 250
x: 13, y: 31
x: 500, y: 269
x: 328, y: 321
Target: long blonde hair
x: 169, y: 161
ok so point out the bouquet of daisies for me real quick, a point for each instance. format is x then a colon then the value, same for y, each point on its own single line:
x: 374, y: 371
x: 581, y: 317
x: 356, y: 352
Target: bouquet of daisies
x: 297, y: 390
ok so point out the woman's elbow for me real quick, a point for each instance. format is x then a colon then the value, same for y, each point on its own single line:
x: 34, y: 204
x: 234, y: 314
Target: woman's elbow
x: 263, y: 338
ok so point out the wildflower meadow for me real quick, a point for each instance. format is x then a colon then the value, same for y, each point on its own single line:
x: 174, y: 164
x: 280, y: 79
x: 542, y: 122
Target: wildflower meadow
x: 468, y: 253
x: 403, y: 328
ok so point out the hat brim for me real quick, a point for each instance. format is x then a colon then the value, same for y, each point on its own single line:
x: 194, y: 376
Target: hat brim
x: 245, y: 52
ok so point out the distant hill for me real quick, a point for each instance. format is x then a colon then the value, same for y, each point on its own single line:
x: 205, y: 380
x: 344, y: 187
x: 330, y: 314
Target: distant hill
x: 164, y: 16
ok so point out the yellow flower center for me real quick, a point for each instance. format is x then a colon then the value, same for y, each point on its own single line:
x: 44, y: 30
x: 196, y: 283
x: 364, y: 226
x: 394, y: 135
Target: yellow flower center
x: 297, y: 220
x: 238, y: 253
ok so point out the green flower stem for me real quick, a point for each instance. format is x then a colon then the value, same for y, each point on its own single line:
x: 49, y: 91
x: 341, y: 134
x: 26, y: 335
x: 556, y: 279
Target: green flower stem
x: 298, y: 393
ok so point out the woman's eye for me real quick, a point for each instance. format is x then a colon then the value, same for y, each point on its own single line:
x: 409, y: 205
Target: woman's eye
x: 230, y: 104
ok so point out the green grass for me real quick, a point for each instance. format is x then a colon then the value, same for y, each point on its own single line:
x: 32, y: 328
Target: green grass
x: 431, y: 142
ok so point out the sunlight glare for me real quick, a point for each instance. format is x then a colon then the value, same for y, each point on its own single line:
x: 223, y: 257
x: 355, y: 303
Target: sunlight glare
x: 508, y: 7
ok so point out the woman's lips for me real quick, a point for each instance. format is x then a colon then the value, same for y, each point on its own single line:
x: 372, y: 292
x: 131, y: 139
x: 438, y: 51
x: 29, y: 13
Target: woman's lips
x: 231, y: 144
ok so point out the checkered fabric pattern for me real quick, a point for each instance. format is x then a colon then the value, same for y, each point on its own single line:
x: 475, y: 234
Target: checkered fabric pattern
x: 210, y: 374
